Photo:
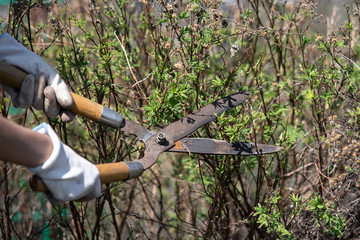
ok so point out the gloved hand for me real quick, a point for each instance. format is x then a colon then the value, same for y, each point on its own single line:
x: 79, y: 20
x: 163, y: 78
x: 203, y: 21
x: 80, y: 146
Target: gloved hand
x: 42, y: 88
x: 67, y: 175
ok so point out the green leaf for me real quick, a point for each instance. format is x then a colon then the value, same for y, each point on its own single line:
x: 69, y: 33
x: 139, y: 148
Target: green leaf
x: 184, y: 15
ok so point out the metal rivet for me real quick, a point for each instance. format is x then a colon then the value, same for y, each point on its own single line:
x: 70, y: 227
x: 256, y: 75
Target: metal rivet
x: 161, y: 138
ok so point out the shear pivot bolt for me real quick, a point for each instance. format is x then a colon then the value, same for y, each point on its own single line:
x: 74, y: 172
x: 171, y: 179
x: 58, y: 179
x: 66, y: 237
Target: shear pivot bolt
x: 161, y: 139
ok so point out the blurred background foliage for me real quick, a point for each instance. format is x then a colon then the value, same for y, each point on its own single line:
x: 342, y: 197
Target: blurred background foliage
x: 157, y: 61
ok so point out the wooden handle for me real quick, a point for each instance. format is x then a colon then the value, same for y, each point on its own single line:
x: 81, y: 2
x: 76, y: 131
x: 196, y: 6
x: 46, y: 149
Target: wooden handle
x: 109, y: 172
x: 86, y: 108
x: 112, y: 172
x: 13, y: 76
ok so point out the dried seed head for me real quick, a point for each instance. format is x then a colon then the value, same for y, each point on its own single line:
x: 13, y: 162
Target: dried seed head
x: 319, y: 38
x: 170, y: 8
x: 179, y: 65
x: 167, y: 45
x: 224, y: 23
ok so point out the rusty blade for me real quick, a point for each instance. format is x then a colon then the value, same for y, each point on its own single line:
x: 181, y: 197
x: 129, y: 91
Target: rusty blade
x: 133, y: 128
x: 213, y: 146
x: 188, y: 125
x: 206, y: 114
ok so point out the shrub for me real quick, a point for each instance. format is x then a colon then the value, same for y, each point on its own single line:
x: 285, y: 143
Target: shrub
x: 157, y: 61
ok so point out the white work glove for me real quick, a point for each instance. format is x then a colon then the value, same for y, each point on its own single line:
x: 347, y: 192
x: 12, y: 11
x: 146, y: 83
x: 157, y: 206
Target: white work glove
x: 42, y: 88
x: 67, y: 175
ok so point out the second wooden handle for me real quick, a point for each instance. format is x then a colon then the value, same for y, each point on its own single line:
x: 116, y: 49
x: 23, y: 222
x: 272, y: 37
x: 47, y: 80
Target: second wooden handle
x: 109, y: 172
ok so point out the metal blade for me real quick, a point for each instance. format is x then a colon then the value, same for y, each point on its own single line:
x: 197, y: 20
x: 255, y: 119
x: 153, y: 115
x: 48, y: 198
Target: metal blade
x: 130, y: 127
x: 206, y: 114
x: 187, y: 125
x: 213, y: 146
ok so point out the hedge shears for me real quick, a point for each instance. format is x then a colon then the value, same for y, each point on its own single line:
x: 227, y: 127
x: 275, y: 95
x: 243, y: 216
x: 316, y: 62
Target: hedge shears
x: 173, y: 138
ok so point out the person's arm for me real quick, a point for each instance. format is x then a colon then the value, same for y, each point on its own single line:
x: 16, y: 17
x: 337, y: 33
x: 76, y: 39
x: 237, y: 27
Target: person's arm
x: 67, y: 175
x: 23, y: 146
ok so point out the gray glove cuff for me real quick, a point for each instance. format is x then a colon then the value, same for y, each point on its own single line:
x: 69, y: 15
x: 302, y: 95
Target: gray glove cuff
x: 14, y: 53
